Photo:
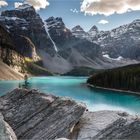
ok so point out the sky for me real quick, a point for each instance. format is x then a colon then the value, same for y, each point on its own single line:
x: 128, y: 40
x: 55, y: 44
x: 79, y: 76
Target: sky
x: 105, y: 14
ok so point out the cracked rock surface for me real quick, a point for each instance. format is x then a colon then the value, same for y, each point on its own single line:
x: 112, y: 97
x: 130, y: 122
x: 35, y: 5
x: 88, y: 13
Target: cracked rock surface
x: 6, y: 132
x: 34, y: 115
x: 107, y: 125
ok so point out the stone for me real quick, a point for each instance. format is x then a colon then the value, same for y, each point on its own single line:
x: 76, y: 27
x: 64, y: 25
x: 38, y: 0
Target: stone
x: 34, y: 115
x: 107, y: 125
x: 6, y: 132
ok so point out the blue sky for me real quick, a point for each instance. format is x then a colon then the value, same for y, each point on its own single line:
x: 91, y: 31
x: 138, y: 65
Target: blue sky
x: 65, y: 9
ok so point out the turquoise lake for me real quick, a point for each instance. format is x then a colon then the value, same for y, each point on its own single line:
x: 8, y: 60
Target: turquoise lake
x: 75, y: 88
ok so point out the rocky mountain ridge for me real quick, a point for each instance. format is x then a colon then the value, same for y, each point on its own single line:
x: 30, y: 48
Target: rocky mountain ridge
x: 79, y: 51
x: 25, y: 25
x: 17, y: 60
x: 123, y: 41
x: 51, y: 42
x: 72, y: 51
x: 79, y: 32
x: 25, y: 22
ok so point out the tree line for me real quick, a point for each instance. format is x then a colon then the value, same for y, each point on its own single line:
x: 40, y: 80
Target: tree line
x: 125, y: 78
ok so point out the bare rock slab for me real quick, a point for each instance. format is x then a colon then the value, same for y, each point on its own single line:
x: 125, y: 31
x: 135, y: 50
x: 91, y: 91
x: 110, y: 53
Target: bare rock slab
x: 38, y: 116
x: 109, y: 125
x: 6, y: 132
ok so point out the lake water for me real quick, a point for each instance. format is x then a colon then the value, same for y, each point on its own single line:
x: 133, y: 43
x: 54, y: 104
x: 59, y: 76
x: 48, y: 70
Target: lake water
x: 75, y: 88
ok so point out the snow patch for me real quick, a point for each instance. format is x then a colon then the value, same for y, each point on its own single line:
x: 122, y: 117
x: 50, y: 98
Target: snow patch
x: 24, y: 6
x: 54, y: 45
x: 116, y: 59
x: 24, y: 28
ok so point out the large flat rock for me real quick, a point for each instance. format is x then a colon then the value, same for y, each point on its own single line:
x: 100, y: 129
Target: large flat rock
x: 6, y: 132
x: 107, y: 125
x: 34, y: 115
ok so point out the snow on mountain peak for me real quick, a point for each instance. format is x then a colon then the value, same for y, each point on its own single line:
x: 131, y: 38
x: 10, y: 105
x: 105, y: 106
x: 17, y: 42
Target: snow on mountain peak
x: 54, y: 22
x: 94, y: 28
x: 26, y: 7
x: 77, y: 28
x: 93, y: 31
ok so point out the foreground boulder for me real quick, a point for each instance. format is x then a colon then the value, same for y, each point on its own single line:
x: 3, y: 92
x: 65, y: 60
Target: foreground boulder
x: 37, y: 116
x: 107, y: 125
x: 6, y: 132
x: 33, y: 115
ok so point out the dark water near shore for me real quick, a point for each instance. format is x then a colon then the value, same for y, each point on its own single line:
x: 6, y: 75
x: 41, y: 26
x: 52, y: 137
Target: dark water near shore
x: 75, y: 88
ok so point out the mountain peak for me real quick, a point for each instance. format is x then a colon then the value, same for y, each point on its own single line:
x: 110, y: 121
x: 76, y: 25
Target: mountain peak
x: 54, y: 19
x: 79, y: 32
x: 23, y: 11
x: 93, y: 31
x: 136, y: 21
x: 55, y: 22
x: 94, y: 28
x: 78, y: 28
x: 24, y: 6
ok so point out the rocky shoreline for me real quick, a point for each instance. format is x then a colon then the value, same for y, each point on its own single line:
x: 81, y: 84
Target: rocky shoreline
x: 112, y: 89
x: 34, y: 115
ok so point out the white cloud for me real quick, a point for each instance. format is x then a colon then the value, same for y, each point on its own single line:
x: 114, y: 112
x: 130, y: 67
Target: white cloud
x: 17, y: 4
x: 109, y: 7
x: 38, y: 4
x: 103, y: 22
x: 3, y: 3
x: 74, y: 10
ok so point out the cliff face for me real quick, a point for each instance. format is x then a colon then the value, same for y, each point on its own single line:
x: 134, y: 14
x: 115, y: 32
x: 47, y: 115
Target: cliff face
x: 55, y: 44
x: 20, y: 56
x: 122, y: 41
x: 71, y: 51
x: 8, y: 53
x: 25, y: 22
x: 22, y: 34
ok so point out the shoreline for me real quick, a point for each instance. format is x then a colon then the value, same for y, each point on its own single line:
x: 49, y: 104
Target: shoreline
x: 87, y: 84
x: 116, y: 90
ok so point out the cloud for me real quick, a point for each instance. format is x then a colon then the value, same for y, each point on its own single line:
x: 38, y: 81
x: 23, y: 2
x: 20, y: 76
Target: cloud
x: 109, y: 7
x: 74, y: 11
x: 3, y: 3
x: 37, y: 4
x: 103, y: 22
x: 17, y: 4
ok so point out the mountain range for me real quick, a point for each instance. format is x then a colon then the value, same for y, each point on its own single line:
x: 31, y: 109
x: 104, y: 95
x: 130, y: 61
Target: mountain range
x: 28, y: 43
x: 123, y: 41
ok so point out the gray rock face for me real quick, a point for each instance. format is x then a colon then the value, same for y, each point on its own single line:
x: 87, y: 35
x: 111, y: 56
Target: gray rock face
x: 34, y: 115
x: 75, y: 51
x: 123, y: 41
x: 26, y: 26
x: 107, y: 125
x: 24, y: 22
x: 6, y: 132
x: 79, y: 32
x: 93, y: 31
x: 57, y: 30
x: 59, y: 45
